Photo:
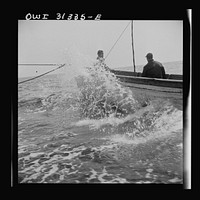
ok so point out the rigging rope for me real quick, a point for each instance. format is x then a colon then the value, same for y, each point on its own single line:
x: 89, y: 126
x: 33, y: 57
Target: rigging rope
x: 62, y: 65
x: 117, y: 40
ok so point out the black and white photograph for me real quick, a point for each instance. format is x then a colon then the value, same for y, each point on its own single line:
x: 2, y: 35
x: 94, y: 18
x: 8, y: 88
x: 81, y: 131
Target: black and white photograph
x: 100, y: 101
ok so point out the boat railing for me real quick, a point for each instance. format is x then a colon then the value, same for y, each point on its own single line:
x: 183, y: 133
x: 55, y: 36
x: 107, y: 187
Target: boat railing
x: 174, y: 76
x: 139, y: 74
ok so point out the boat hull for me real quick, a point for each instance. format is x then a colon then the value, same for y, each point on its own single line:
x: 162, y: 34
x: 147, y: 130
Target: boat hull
x: 148, y: 88
x: 152, y: 87
x: 154, y: 91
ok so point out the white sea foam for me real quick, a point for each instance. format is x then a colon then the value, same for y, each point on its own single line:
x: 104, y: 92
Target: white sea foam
x: 36, y: 154
x: 174, y: 180
x: 36, y: 167
x: 52, y: 171
x: 112, y: 119
x: 163, y: 126
x: 114, y: 178
x: 95, y: 124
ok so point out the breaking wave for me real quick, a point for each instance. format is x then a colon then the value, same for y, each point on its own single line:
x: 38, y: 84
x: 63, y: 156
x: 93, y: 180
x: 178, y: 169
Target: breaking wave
x: 93, y: 129
x: 103, y: 103
x: 101, y: 95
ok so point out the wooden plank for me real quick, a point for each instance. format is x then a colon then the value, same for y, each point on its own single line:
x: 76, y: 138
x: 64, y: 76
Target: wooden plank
x: 175, y: 76
x: 138, y: 74
x: 125, y: 73
x: 152, y: 81
x: 154, y: 91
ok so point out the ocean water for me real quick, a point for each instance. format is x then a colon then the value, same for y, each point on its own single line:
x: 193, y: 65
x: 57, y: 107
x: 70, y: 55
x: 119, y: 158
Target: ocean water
x: 82, y: 126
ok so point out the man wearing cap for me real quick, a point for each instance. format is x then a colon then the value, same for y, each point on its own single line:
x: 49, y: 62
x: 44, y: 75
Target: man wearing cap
x: 153, y: 69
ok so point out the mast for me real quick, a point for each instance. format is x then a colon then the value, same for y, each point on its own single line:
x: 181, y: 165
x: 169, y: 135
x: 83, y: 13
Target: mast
x: 132, y: 44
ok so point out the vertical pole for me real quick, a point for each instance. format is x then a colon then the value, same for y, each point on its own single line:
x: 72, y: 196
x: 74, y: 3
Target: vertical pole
x: 132, y: 44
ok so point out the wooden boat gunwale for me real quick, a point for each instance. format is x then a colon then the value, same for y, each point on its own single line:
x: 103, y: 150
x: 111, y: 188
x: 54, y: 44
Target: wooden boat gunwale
x: 151, y: 81
x: 135, y: 78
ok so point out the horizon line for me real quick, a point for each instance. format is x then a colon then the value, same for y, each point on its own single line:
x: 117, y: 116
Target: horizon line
x: 62, y: 63
x: 38, y: 64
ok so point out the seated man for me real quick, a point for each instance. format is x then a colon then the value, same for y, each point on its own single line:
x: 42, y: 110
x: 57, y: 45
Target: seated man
x: 153, y: 69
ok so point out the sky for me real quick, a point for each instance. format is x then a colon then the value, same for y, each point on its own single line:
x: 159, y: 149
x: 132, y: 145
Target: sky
x: 46, y: 41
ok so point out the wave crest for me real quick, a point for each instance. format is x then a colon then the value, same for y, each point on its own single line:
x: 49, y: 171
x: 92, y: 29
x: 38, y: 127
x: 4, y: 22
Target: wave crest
x: 102, y: 95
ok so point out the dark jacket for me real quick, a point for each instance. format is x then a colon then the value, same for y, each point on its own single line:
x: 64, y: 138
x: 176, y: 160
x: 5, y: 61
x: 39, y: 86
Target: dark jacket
x: 153, y: 69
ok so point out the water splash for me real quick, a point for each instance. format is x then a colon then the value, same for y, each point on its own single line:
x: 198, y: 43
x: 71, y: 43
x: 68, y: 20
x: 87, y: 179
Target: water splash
x: 76, y: 64
x: 101, y: 95
x: 87, y: 86
x: 155, y: 121
x: 101, y: 101
x: 105, y: 105
x: 95, y: 130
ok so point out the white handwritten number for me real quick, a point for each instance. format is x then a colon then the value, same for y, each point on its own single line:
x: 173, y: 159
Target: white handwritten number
x: 63, y: 15
x: 59, y: 16
x: 70, y: 16
x: 76, y: 17
x: 82, y: 17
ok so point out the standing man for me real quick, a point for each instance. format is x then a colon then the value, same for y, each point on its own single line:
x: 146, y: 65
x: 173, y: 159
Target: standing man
x: 101, y: 59
x: 153, y: 69
x: 100, y: 55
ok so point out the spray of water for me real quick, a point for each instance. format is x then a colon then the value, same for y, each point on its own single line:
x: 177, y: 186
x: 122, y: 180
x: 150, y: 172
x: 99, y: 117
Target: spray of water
x: 104, y: 104
x: 86, y: 85
x: 101, y: 95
